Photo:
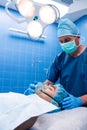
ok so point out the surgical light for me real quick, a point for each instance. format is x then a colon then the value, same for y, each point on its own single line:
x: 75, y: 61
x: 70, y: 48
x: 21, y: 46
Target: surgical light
x: 34, y: 29
x: 47, y: 14
x: 26, y: 8
x: 37, y: 16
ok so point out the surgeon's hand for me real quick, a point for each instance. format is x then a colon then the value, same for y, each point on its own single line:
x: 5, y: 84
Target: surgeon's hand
x: 31, y: 89
x: 71, y: 102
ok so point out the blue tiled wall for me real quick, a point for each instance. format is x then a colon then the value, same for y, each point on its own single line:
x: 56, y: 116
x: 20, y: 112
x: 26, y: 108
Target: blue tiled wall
x: 82, y: 25
x: 23, y: 61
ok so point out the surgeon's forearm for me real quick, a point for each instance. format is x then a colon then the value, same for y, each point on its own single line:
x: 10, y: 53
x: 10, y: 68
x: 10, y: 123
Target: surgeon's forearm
x: 84, y: 99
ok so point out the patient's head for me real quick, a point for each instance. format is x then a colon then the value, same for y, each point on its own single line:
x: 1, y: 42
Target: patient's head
x: 51, y: 93
x: 46, y: 92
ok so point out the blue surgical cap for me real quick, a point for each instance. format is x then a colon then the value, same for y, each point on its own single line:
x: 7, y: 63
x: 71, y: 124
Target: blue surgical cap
x: 61, y: 93
x: 67, y: 27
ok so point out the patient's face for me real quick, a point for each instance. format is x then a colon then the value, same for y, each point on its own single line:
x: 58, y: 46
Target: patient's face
x: 50, y: 90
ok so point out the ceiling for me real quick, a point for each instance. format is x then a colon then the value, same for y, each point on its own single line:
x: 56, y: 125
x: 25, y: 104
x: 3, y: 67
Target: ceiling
x: 65, y: 2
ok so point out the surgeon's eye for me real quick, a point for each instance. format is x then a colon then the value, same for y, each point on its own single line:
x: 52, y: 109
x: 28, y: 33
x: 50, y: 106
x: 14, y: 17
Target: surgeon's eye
x: 67, y: 40
x: 61, y: 41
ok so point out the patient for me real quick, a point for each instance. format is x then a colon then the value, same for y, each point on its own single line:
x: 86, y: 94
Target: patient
x: 51, y: 93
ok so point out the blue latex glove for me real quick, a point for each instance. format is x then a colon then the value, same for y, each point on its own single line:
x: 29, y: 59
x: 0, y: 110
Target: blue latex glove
x: 31, y: 89
x: 71, y: 102
x: 34, y: 87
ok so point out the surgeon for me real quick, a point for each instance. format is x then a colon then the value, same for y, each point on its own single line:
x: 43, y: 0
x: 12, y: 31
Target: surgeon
x: 70, y: 66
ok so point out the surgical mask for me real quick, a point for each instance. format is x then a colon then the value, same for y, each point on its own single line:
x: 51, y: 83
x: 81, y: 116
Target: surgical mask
x: 69, y: 47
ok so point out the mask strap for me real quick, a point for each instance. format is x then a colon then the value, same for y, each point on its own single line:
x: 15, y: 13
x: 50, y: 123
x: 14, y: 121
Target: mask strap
x: 49, y: 96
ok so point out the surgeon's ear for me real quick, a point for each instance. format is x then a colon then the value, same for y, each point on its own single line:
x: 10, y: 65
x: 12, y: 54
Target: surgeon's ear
x: 78, y: 37
x: 77, y: 40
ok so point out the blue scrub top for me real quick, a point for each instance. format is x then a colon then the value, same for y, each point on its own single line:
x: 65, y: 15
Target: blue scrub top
x: 72, y: 72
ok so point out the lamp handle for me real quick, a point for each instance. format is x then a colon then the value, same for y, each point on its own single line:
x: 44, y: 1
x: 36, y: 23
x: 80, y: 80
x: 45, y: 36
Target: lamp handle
x: 18, y: 20
x: 24, y: 32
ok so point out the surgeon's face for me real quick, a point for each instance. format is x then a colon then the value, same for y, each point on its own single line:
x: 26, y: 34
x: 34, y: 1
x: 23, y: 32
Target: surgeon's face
x: 50, y: 90
x: 68, y: 38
